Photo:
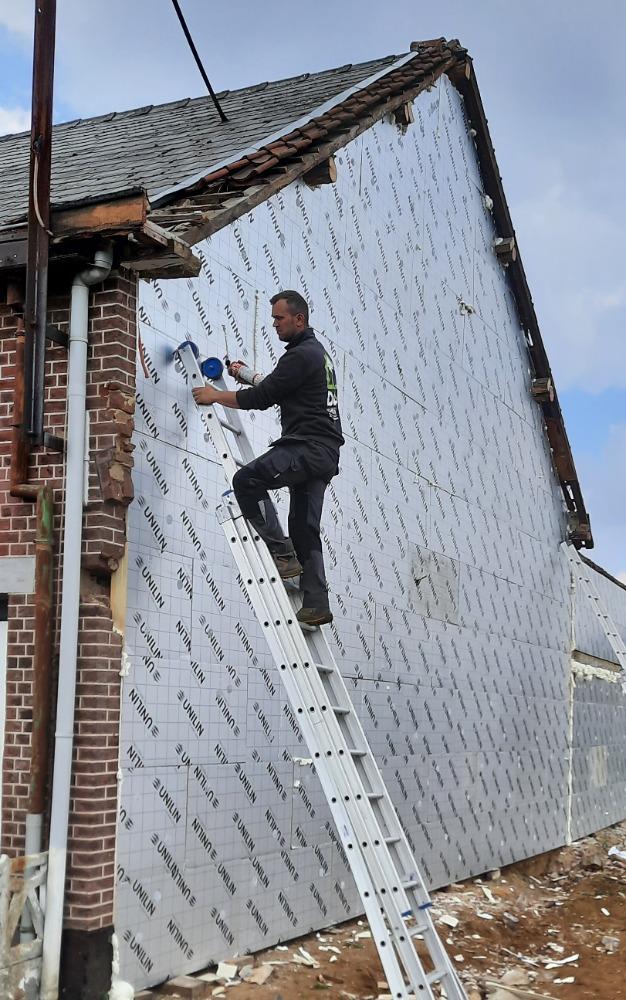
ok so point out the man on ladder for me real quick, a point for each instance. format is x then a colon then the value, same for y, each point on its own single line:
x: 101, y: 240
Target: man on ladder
x: 382, y: 861
x: 305, y: 457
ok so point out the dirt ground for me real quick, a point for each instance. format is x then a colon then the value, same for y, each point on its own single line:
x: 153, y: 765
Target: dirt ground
x: 570, y: 902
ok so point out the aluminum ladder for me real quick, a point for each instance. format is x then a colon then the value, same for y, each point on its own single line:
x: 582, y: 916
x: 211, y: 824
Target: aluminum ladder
x: 390, y: 885
x: 582, y: 574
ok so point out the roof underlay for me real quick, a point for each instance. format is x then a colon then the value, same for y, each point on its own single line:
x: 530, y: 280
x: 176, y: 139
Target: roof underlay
x: 160, y: 179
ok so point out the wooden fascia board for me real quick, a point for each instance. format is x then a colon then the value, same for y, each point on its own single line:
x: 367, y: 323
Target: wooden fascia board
x: 108, y: 218
x: 123, y: 214
x: 126, y: 218
x: 305, y: 162
x: 467, y: 86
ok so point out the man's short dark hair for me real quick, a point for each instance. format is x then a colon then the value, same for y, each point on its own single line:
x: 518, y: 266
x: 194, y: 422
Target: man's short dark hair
x: 295, y: 302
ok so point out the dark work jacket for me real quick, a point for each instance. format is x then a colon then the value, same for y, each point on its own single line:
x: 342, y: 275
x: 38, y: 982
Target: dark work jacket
x: 304, y: 385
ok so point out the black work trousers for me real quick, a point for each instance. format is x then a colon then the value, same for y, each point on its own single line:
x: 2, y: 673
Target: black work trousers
x: 305, y: 468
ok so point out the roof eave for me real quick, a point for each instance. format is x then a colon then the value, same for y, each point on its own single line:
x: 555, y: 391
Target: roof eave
x: 141, y: 245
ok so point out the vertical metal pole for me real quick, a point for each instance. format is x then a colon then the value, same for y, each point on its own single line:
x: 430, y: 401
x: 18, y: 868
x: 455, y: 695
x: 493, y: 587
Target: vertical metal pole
x: 42, y: 666
x: 39, y: 217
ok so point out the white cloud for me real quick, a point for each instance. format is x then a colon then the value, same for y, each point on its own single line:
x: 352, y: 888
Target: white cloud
x: 14, y: 120
x: 572, y: 251
x: 17, y: 17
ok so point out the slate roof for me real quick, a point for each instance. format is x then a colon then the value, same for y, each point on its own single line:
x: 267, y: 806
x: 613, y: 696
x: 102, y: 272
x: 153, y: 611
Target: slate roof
x: 158, y: 146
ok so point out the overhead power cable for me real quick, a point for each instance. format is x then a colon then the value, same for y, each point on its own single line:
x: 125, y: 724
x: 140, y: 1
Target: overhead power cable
x: 194, y: 52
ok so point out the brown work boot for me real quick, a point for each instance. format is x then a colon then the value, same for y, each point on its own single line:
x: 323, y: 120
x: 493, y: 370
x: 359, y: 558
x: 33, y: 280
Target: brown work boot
x: 287, y: 565
x: 314, y: 616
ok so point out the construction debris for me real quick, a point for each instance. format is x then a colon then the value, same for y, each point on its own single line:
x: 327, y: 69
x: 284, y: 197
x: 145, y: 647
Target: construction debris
x: 610, y: 944
x: 260, y: 975
x: 226, y: 971
x: 553, y: 964
x: 302, y: 957
x: 499, y: 991
x: 615, y: 852
x: 545, y: 922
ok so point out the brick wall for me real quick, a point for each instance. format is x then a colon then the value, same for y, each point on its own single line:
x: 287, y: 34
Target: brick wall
x: 110, y: 396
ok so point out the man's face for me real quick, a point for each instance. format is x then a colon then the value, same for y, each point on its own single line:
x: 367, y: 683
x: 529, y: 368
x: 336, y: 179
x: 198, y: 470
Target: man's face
x: 286, y: 324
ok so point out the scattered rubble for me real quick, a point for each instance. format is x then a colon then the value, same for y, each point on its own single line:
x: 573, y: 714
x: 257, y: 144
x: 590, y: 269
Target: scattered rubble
x: 260, y: 975
x: 615, y: 852
x: 610, y: 944
x: 552, y: 931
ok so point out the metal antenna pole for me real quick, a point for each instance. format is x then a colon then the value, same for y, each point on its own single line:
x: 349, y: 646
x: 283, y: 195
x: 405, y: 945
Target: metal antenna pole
x: 194, y: 53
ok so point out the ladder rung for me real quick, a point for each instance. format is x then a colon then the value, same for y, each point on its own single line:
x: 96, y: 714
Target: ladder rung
x: 392, y: 840
x: 412, y: 883
x: 357, y: 753
x: 230, y: 427
x: 238, y: 462
x: 436, y: 976
x: 373, y: 796
x: 323, y: 669
x: 338, y: 710
x: 418, y: 929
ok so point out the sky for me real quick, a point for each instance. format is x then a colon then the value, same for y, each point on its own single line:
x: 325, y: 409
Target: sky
x: 553, y: 82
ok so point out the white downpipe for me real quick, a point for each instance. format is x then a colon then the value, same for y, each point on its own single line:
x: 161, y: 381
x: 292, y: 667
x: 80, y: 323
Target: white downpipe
x: 86, y: 462
x: 70, y: 597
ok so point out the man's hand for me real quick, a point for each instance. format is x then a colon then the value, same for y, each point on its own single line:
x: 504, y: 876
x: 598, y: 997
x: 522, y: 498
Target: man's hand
x: 252, y: 378
x: 233, y: 369
x: 205, y: 395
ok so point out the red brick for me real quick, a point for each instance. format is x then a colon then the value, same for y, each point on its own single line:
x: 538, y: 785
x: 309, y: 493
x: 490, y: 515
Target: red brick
x: 111, y: 363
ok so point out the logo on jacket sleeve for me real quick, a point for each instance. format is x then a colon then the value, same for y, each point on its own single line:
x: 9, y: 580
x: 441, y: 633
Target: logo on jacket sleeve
x: 332, y: 402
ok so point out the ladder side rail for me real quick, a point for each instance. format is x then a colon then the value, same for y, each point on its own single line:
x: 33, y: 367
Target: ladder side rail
x: 312, y: 725
x: 234, y: 417
x: 312, y: 688
x: 208, y: 415
x: 377, y: 857
x: 371, y: 777
x: 380, y: 862
x: 417, y: 893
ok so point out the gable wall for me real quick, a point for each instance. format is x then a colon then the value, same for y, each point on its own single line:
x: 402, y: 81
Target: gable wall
x: 441, y: 533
